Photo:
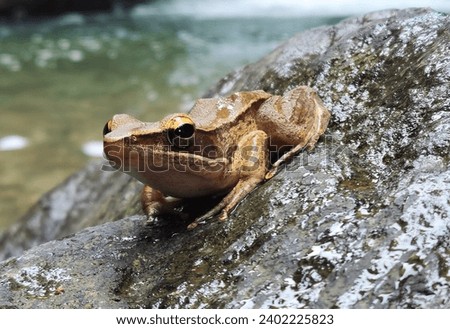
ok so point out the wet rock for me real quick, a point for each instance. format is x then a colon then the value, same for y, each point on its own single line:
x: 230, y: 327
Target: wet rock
x: 361, y: 221
x: 85, y: 199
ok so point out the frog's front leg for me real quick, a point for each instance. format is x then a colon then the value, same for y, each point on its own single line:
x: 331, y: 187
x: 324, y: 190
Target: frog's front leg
x: 250, y: 161
x: 154, y: 203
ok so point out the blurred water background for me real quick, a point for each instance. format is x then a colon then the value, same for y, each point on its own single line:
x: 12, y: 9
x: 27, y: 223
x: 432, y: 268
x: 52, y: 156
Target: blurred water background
x: 62, y: 78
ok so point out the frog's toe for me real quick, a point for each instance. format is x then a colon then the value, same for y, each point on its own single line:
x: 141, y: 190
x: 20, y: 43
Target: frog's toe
x: 151, y: 211
x: 223, y: 216
x: 271, y: 173
x: 192, y: 225
x: 151, y: 220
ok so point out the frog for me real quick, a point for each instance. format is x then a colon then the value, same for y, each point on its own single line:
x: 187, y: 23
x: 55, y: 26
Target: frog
x: 225, y: 146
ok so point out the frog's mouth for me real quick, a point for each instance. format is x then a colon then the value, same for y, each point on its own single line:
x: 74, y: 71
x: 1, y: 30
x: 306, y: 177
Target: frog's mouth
x: 178, y: 174
x: 161, y: 160
x: 135, y: 159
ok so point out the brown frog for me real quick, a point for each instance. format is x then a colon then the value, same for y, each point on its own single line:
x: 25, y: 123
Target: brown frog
x: 224, y: 146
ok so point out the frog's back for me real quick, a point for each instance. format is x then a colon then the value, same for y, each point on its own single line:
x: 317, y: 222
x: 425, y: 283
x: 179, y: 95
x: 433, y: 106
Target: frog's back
x: 213, y: 113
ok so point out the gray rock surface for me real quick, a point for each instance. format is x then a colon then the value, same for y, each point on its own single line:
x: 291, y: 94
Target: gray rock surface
x: 359, y: 222
x: 85, y: 199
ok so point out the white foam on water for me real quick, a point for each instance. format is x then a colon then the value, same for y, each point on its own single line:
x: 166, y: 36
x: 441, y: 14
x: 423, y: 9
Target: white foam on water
x: 283, y: 8
x: 93, y: 149
x: 13, y: 142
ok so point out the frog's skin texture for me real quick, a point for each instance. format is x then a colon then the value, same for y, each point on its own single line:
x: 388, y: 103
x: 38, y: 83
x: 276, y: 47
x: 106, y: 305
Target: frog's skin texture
x: 225, y: 146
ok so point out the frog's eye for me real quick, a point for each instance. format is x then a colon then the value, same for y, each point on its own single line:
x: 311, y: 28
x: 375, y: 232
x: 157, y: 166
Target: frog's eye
x: 181, y: 131
x: 184, y: 131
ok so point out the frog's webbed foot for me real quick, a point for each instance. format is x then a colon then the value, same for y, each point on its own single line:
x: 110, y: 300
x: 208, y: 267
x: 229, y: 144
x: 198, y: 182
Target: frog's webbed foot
x: 155, y: 203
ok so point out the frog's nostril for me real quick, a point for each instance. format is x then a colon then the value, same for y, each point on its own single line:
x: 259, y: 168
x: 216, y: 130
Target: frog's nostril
x: 107, y: 128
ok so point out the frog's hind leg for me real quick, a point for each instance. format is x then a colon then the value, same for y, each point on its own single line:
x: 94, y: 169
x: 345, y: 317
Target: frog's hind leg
x: 251, y: 160
x: 304, y: 104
